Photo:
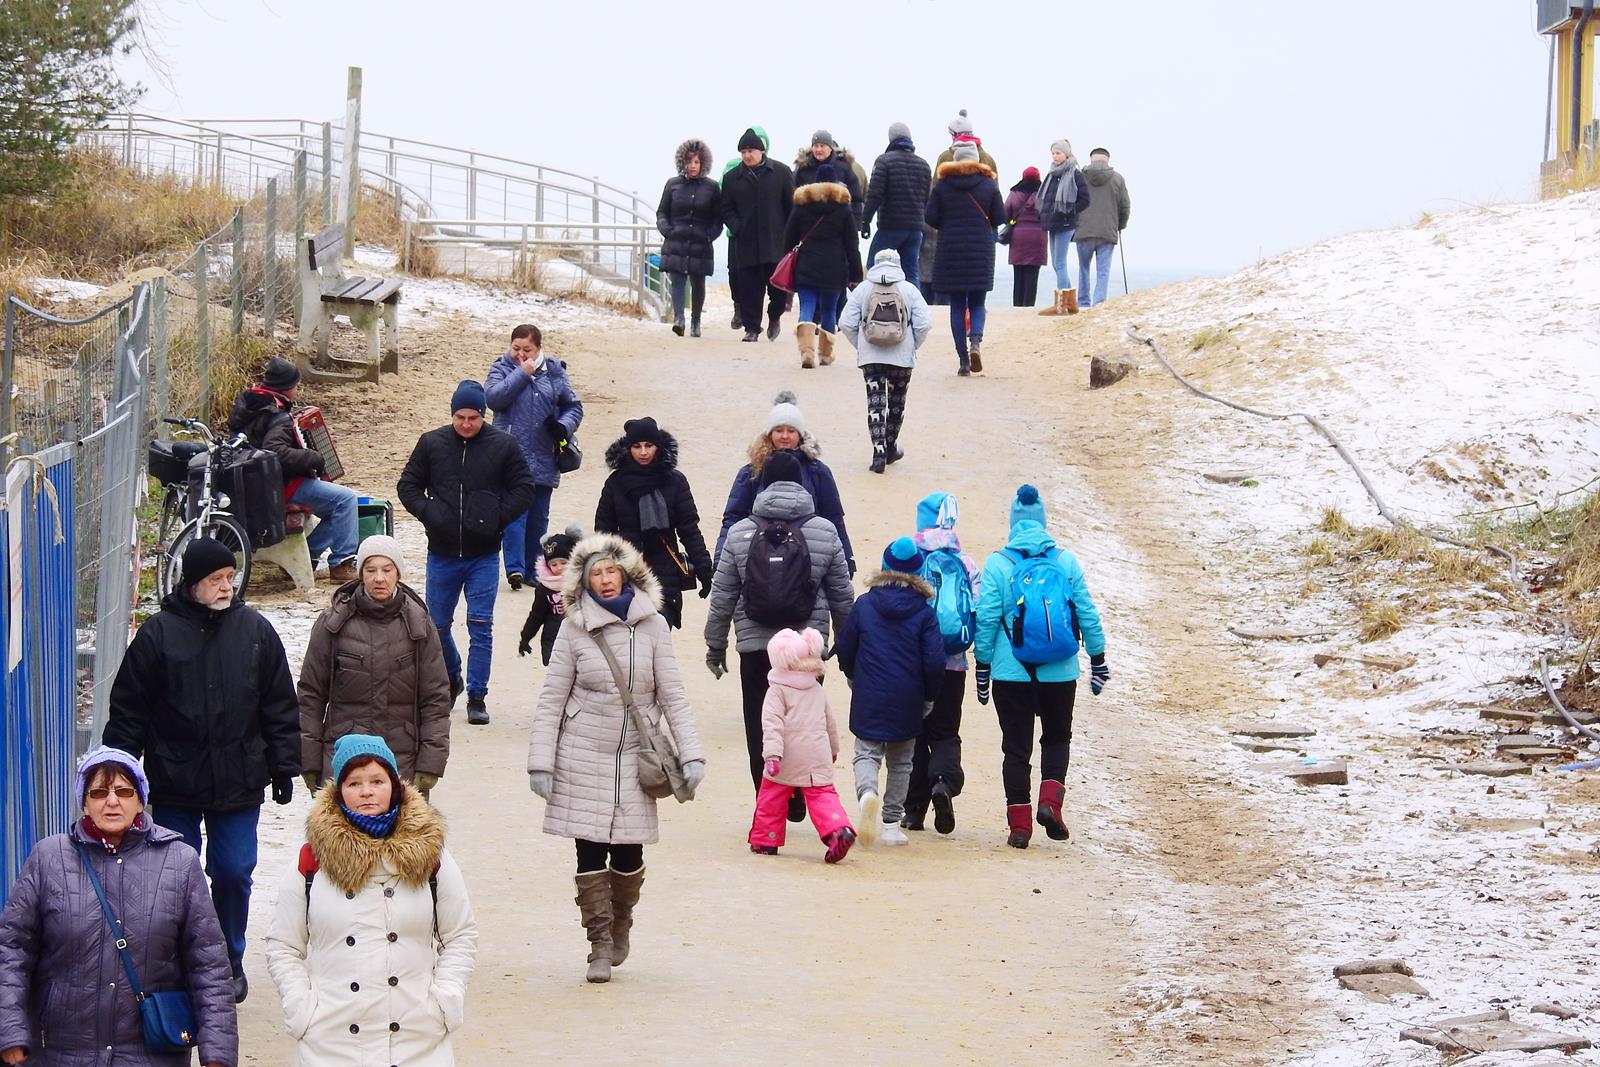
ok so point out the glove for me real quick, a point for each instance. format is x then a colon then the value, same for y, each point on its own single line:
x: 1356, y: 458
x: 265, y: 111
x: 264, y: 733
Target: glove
x: 705, y: 587
x: 717, y: 661
x: 694, y: 772
x: 283, y: 789
x: 927, y: 708
x: 541, y: 782
x: 866, y: 230
x: 526, y: 648
x: 553, y: 427
x: 313, y: 781
x: 425, y: 781
x: 1099, y: 673
x: 983, y: 683
x: 774, y: 765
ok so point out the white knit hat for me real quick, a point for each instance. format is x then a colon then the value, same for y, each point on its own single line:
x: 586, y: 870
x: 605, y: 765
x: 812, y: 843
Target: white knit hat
x: 381, y: 545
x: 785, y: 412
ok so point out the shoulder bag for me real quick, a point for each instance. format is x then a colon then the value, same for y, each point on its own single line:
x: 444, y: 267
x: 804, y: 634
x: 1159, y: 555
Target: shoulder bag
x: 783, y: 273
x: 167, y: 1019
x: 660, y: 769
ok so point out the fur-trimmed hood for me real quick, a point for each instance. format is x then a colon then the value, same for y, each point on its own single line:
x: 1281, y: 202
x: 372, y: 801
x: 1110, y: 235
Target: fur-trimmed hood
x: 666, y: 452
x: 841, y: 158
x: 638, y: 573
x: 822, y: 193
x: 899, y: 579
x: 761, y: 450
x: 693, y: 147
x: 965, y: 166
x: 348, y: 856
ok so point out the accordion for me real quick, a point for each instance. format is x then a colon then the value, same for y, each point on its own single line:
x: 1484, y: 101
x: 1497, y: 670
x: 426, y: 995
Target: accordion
x: 313, y: 432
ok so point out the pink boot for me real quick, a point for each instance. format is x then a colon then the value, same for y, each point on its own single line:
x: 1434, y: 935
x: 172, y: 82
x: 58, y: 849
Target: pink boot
x: 839, y: 843
x: 1051, y: 794
x: 1019, y: 821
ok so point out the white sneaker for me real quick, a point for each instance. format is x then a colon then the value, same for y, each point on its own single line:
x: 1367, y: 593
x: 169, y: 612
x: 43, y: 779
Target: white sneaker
x: 869, y: 810
x: 889, y: 833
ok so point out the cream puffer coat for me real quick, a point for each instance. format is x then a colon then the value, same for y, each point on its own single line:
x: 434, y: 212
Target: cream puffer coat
x: 362, y: 982
x: 581, y: 731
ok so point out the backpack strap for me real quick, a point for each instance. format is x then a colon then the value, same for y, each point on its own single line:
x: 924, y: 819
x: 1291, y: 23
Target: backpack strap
x: 308, y: 869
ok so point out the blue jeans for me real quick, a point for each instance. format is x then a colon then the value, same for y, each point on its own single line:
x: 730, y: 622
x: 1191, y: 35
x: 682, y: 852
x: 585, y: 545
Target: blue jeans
x: 907, y: 242
x: 520, y: 544
x: 960, y: 305
x: 448, y: 577
x: 336, y: 532
x: 1100, y: 252
x: 819, y: 306
x: 230, y: 861
x: 1059, y: 240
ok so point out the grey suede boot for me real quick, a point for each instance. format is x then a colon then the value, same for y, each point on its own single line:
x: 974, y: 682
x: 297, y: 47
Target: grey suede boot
x: 624, y: 896
x: 594, y: 905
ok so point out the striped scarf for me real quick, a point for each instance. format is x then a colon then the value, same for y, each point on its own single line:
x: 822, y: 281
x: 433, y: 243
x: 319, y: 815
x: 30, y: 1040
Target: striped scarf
x: 372, y: 825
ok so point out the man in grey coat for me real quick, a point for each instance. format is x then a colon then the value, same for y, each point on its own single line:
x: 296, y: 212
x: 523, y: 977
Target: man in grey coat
x: 782, y: 499
x: 1100, y: 225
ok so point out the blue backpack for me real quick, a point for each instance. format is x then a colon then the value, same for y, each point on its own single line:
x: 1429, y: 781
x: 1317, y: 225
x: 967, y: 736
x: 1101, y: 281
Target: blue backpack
x: 952, y: 599
x: 1039, y: 616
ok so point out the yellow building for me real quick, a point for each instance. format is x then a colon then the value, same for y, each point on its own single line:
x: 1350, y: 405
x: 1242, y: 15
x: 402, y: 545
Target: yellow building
x: 1571, y: 133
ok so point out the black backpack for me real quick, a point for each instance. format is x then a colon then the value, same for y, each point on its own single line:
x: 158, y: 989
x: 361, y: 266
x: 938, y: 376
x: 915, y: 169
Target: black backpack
x: 778, y: 590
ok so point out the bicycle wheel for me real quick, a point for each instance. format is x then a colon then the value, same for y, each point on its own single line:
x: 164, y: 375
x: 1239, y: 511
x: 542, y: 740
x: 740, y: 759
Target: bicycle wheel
x: 221, y: 528
x: 172, y: 508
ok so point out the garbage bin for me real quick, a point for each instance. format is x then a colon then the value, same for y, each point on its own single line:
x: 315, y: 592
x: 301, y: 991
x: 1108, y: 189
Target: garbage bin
x: 373, y: 517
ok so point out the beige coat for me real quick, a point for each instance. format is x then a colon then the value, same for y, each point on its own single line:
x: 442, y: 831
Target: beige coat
x: 581, y: 731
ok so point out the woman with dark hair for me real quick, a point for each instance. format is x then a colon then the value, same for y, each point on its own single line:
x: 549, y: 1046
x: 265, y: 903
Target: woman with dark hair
x: 63, y: 997
x: 374, y: 940
x: 965, y: 207
x: 1026, y: 250
x: 821, y: 224
x: 647, y: 501
x: 690, y: 218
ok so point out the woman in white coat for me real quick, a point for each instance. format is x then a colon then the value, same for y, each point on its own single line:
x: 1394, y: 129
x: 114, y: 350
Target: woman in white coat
x: 373, y: 940
x: 583, y: 753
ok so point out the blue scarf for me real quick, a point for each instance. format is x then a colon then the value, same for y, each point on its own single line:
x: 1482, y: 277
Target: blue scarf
x: 372, y: 825
x: 617, y: 605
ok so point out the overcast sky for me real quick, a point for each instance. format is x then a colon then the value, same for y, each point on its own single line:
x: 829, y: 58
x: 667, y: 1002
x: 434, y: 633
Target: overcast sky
x: 1243, y: 128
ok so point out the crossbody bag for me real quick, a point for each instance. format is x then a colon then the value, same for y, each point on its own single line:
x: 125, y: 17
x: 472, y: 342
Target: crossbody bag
x: 660, y: 769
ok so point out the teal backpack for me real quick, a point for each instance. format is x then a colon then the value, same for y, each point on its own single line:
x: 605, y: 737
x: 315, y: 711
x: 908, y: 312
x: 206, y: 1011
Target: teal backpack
x: 1039, y: 616
x: 952, y: 599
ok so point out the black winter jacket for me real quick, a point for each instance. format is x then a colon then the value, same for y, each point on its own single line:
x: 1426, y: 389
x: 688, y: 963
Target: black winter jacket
x: 805, y: 173
x: 965, y: 207
x: 619, y: 513
x: 831, y: 255
x: 466, y: 491
x: 690, y: 218
x: 263, y: 416
x: 755, y: 205
x: 207, y: 699
x: 898, y: 192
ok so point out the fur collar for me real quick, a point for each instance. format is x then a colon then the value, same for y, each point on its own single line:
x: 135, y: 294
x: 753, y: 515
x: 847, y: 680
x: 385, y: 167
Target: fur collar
x: 640, y: 576
x: 822, y: 193
x: 761, y: 450
x: 666, y: 452
x: 917, y: 585
x: 965, y: 166
x: 693, y: 147
x: 841, y: 157
x: 349, y: 856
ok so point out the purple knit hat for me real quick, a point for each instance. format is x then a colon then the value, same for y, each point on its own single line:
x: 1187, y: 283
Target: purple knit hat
x: 102, y: 755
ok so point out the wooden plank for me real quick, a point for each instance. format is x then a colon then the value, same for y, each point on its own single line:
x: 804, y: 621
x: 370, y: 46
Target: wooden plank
x: 389, y: 290
x: 368, y: 292
x: 327, y: 247
x: 344, y: 289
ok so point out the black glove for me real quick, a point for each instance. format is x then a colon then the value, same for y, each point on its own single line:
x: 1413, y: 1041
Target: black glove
x: 1099, y: 673
x: 526, y: 648
x: 705, y: 587
x: 553, y: 427
x: 717, y: 661
x: 283, y: 789
x: 866, y: 230
x: 983, y: 683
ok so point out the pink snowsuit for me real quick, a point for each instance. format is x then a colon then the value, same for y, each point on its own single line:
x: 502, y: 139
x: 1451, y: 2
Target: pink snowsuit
x: 797, y: 727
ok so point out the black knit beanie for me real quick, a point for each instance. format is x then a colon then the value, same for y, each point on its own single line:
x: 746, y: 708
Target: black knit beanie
x: 781, y: 466
x: 204, y: 557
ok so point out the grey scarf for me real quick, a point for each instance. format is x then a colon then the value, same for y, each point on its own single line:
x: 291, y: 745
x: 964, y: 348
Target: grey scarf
x: 653, y: 512
x: 1060, y: 193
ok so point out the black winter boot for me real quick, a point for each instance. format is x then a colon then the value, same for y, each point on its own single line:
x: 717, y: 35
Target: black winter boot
x: 477, y: 711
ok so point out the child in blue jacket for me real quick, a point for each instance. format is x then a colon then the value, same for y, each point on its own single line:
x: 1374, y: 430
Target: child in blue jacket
x: 891, y: 651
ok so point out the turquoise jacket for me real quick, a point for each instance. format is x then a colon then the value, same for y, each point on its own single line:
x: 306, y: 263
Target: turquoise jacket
x: 993, y: 647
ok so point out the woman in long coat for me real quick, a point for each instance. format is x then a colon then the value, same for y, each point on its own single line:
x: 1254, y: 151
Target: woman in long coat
x: 373, y: 940
x: 822, y: 226
x: 1027, y: 251
x: 65, y: 1000
x: 374, y: 665
x: 647, y: 501
x: 690, y: 218
x: 583, y: 752
x: 965, y: 207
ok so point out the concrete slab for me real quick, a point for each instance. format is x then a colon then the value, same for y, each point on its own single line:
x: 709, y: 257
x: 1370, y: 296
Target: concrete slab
x: 1273, y: 730
x: 1498, y: 714
x: 1491, y: 1032
x: 1322, y: 772
x: 1492, y: 770
x: 1378, y: 966
x: 1383, y: 988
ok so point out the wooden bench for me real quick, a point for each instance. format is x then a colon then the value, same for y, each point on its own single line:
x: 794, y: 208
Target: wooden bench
x: 369, y: 302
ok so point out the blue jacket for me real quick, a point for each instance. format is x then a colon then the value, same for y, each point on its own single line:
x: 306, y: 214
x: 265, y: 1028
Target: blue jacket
x: 891, y: 651
x: 993, y: 647
x: 817, y: 480
x: 521, y: 404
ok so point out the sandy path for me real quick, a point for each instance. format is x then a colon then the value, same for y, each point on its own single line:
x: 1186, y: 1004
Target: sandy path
x: 954, y: 948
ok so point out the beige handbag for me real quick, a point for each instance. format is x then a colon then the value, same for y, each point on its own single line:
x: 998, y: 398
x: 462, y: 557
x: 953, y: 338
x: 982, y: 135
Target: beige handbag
x: 660, y: 769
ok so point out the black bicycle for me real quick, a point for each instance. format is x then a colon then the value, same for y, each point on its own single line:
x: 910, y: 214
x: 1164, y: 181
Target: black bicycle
x: 206, y: 515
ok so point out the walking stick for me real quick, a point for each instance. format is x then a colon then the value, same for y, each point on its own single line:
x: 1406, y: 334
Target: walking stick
x: 1123, y: 259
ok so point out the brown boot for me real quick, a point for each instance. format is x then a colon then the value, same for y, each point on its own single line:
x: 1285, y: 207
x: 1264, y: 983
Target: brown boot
x: 805, y: 335
x: 594, y: 905
x: 824, y: 347
x: 1055, y: 304
x: 975, y: 350
x: 344, y: 572
x: 1069, y: 301
x: 624, y: 895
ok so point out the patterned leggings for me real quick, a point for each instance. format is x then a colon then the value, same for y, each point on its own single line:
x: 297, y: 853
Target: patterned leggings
x: 886, y: 404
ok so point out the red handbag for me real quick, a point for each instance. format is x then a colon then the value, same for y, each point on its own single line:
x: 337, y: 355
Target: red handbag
x: 783, y: 273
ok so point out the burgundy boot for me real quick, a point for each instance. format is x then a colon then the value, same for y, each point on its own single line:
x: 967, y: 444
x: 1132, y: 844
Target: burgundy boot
x: 1051, y: 794
x: 1019, y: 821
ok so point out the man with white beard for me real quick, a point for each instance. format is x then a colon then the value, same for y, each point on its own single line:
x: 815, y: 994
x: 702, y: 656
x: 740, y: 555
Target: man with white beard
x: 204, y: 694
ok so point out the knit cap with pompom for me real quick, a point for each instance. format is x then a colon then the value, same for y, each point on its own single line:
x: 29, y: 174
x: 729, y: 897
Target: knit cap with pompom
x: 1027, y: 505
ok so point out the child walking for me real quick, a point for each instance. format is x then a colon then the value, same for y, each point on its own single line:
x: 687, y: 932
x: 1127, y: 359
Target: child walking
x: 799, y: 743
x: 891, y: 651
x: 547, y: 612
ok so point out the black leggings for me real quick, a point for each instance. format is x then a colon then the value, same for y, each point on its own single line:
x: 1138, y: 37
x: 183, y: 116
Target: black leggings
x: 753, y: 668
x: 1019, y: 705
x: 592, y: 856
x: 697, y: 290
x: 1024, y: 286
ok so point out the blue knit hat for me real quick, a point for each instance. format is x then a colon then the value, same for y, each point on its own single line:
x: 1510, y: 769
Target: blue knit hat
x: 937, y: 510
x: 104, y: 755
x: 1027, y: 505
x: 469, y: 394
x: 902, y: 555
x: 354, y: 746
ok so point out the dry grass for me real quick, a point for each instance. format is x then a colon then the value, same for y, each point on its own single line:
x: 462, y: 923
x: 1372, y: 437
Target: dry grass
x: 1379, y: 621
x: 17, y: 276
x: 1208, y: 337
x: 1334, y: 522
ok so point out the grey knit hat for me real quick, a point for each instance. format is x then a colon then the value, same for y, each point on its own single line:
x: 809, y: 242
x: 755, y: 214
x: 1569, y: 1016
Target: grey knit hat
x: 897, y: 130
x: 824, y: 137
x: 964, y: 152
x: 960, y: 124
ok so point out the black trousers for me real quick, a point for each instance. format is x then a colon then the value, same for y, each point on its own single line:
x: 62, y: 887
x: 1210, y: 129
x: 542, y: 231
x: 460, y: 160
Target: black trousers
x: 697, y: 291
x: 937, y: 755
x: 753, y: 668
x: 1019, y: 705
x: 592, y: 856
x: 748, y: 285
x: 1024, y: 286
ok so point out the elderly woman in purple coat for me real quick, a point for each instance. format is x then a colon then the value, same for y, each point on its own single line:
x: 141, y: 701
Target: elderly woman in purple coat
x: 65, y: 999
x: 1028, y: 245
